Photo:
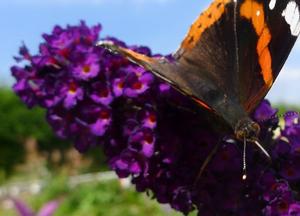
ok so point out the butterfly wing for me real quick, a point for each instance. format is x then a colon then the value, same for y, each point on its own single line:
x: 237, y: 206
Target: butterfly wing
x: 242, y: 45
x: 230, y: 56
x: 202, y: 67
x: 267, y: 31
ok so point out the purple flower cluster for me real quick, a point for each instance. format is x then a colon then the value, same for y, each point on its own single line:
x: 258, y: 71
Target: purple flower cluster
x: 155, y: 135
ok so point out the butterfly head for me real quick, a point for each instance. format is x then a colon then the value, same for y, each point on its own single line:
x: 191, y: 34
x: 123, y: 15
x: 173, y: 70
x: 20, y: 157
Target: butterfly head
x: 247, y: 129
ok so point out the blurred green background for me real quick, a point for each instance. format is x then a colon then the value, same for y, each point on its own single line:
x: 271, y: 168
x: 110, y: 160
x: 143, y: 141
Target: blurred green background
x: 37, y: 167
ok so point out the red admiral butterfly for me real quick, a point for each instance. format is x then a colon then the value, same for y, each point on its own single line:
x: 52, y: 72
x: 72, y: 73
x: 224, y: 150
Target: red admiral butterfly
x: 230, y: 58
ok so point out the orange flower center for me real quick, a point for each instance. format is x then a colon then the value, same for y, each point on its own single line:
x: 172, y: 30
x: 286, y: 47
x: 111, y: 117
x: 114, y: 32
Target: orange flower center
x: 148, y: 138
x: 104, y: 114
x: 137, y: 85
x: 104, y: 93
x: 72, y: 88
x: 152, y: 118
x: 86, y: 69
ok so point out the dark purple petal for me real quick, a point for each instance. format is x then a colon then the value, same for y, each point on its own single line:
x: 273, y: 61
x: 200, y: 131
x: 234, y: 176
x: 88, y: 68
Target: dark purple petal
x: 118, y: 86
x: 88, y: 69
x: 127, y: 163
x: 281, y: 149
x: 291, y: 118
x: 265, y: 112
x: 182, y: 201
x: 101, y: 94
x: 290, y: 169
x: 100, y: 126
x: 72, y: 94
x: 294, y: 209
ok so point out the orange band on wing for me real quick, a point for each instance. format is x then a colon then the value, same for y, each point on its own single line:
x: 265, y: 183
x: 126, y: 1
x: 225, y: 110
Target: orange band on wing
x: 201, y: 103
x: 204, y: 21
x: 136, y: 56
x: 140, y: 59
x: 254, y: 12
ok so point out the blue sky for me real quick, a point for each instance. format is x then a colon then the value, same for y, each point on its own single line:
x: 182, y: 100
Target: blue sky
x: 159, y: 24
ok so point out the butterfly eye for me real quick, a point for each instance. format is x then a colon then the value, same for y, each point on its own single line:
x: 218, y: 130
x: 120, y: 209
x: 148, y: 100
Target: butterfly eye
x: 240, y: 134
x: 255, y: 129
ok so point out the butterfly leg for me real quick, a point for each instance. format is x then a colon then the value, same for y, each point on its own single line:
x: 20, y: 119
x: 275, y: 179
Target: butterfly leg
x: 206, y: 161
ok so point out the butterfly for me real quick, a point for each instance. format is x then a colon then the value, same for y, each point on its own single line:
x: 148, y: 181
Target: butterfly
x: 229, y: 59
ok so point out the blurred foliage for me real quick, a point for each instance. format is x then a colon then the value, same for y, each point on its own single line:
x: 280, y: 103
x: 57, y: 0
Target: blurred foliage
x: 56, y: 187
x: 95, y: 199
x: 98, y: 198
x: 107, y: 199
x: 282, y: 108
x: 18, y: 124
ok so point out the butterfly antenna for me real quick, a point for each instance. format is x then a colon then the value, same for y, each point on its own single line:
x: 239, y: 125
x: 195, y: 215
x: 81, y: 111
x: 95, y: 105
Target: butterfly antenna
x: 244, y: 177
x: 134, y: 57
x: 158, y: 66
x: 262, y: 149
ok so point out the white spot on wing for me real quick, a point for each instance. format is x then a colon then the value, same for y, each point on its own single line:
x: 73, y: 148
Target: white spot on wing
x: 258, y: 13
x: 272, y: 4
x: 292, y: 17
